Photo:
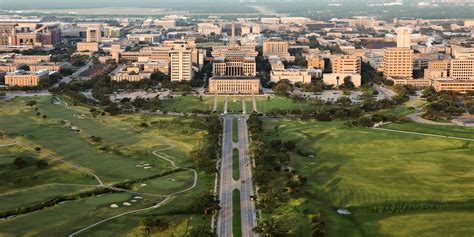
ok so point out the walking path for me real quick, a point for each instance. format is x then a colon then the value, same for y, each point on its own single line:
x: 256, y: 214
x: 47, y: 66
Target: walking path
x: 425, y: 134
x: 254, y: 103
x: 244, y: 107
x: 214, y: 108
x: 168, y: 198
x: 225, y: 105
x: 416, y: 117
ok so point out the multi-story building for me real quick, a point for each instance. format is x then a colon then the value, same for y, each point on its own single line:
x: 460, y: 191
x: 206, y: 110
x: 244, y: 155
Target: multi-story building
x: 208, y: 28
x: 245, y: 66
x: 181, y: 63
x: 29, y: 34
x: 403, y: 37
x: 234, y: 85
x: 292, y: 75
x: 462, y: 69
x: 234, y: 69
x: 130, y: 76
x: 276, y: 47
x: 398, y: 63
x: 450, y: 84
x: 31, y: 59
x: 113, y: 32
x: 23, y: 78
x: 437, y: 69
x: 346, y: 64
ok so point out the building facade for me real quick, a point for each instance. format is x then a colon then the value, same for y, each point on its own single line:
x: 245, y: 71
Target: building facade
x: 346, y: 64
x: 181, y: 63
x: 398, y: 63
x: 234, y: 85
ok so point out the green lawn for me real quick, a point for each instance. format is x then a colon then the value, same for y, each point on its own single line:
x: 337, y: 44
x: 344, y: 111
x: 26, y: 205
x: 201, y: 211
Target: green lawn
x: 234, y: 104
x: 267, y: 103
x: 71, y: 216
x: 235, y: 164
x: 235, y: 130
x: 444, y: 130
x: 120, y: 156
x: 236, y: 218
x: 360, y: 168
x: 187, y: 104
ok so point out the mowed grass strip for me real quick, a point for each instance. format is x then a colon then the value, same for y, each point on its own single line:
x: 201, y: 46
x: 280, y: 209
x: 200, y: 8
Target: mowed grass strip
x: 268, y: 103
x: 235, y: 130
x: 443, y: 130
x: 234, y: 104
x: 236, y: 217
x: 235, y: 164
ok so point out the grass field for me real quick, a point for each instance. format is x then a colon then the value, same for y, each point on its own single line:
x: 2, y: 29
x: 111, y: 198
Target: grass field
x: 358, y: 168
x: 444, y: 130
x: 187, y: 104
x: 121, y: 154
x: 236, y: 218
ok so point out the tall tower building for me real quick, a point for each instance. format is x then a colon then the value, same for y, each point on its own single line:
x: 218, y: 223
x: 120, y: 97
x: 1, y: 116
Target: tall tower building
x: 93, y: 35
x: 403, y: 37
x: 181, y: 63
x: 398, y: 63
x: 346, y: 64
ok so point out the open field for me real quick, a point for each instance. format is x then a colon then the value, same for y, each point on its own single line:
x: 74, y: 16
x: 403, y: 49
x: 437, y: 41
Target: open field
x: 359, y: 168
x: 456, y: 131
x: 188, y: 104
x: 123, y: 150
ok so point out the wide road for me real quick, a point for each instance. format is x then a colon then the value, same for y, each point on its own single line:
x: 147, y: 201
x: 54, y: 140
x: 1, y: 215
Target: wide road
x: 228, y: 184
x: 75, y: 74
x: 247, y: 205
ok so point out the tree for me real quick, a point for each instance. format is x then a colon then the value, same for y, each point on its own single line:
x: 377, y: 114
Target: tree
x: 41, y: 163
x: 31, y: 103
x: 271, y: 227
x: 205, y: 203
x: 289, y: 145
x: 19, y: 162
x: 202, y: 231
x: 149, y: 226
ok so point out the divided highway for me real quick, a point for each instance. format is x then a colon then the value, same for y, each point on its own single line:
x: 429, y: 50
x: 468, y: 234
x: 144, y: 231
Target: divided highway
x: 228, y: 184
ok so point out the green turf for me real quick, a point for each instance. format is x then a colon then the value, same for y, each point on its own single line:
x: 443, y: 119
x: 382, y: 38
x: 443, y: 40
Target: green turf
x: 234, y: 104
x: 69, y: 217
x: 38, y: 194
x: 444, y: 130
x: 119, y: 157
x: 167, y: 184
x: 236, y: 218
x: 354, y: 167
x: 235, y: 164
x: 187, y: 104
x: 235, y: 130
x: 268, y: 103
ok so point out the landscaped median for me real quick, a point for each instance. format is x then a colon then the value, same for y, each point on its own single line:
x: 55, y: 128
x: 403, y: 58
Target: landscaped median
x: 236, y: 220
x: 235, y: 164
x: 235, y: 130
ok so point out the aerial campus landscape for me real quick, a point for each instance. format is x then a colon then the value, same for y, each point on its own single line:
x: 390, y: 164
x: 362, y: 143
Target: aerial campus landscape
x: 237, y: 118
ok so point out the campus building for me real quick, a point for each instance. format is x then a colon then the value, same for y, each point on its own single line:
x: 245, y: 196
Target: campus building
x: 292, y: 75
x: 276, y: 47
x: 181, y: 63
x: 398, y: 63
x: 234, y: 85
x: 346, y: 64
x: 450, y: 84
x: 23, y: 78
x: 29, y: 34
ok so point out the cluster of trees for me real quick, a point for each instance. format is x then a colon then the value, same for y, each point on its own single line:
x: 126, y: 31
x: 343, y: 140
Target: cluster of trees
x: 22, y: 162
x: 369, y: 75
x: 206, y: 153
x: 444, y: 105
x: 149, y: 226
x: 276, y: 181
x: 54, y: 201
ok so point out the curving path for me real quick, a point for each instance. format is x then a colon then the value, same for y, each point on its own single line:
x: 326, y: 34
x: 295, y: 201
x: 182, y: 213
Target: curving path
x: 165, y: 201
